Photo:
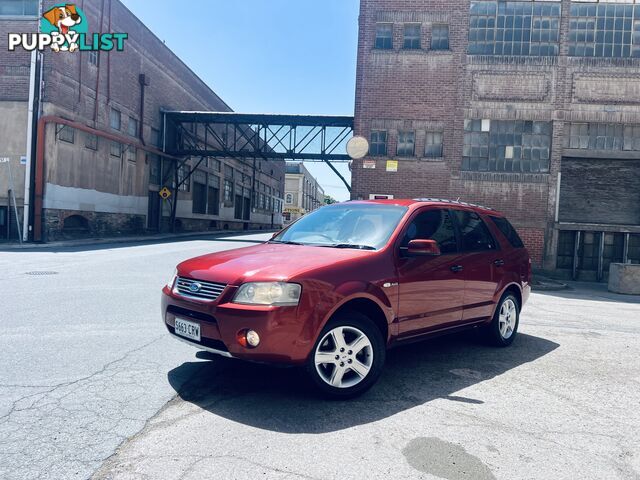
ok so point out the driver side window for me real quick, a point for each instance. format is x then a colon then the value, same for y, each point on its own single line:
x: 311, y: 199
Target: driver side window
x: 433, y: 225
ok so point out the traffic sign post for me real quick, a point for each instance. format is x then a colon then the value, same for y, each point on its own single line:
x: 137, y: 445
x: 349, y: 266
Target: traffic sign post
x: 7, y: 160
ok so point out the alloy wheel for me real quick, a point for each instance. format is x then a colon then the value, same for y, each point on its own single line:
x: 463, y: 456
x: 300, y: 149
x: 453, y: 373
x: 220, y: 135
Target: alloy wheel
x: 508, y: 318
x: 344, y: 357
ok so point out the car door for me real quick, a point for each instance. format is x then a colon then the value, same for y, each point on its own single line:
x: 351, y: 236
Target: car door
x: 480, y: 255
x: 431, y: 289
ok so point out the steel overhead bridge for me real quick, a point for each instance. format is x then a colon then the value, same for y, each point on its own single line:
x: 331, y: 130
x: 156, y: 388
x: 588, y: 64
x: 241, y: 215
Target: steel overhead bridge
x: 309, y: 138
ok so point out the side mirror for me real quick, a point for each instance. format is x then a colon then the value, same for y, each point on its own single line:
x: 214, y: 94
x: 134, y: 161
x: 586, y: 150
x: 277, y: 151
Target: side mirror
x: 423, y: 248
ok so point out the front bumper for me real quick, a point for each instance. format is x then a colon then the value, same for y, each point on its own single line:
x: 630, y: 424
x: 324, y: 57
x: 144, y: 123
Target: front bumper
x: 285, y: 337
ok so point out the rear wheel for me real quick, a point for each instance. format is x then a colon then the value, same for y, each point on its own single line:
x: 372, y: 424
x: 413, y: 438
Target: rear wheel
x: 348, y: 356
x: 504, y: 327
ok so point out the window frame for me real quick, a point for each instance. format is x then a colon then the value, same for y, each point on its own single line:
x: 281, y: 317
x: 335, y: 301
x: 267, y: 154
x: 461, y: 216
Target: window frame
x: 426, y: 144
x: 23, y: 15
x: 440, y: 46
x: 66, y: 134
x: 412, y: 39
x: 113, y: 114
x: 398, y: 151
x: 377, y: 152
x: 383, y: 45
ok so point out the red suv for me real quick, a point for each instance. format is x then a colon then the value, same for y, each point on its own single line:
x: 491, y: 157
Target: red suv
x: 334, y: 290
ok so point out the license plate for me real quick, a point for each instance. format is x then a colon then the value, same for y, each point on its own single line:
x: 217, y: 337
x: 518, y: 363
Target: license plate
x: 188, y: 329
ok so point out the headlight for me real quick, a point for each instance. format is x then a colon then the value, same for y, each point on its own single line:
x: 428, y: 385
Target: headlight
x: 272, y: 293
x: 173, y: 279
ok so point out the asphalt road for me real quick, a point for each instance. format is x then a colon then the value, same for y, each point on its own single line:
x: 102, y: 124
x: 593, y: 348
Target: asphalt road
x: 86, y: 370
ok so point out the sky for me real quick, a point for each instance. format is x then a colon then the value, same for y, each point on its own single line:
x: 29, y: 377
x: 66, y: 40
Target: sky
x: 267, y: 56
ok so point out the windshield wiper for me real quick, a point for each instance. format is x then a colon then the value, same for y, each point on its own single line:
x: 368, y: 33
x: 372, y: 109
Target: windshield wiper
x: 284, y: 242
x: 351, y: 245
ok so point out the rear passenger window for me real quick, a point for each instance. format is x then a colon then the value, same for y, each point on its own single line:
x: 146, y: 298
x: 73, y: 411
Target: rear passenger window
x: 475, y: 234
x: 433, y: 225
x: 508, y: 231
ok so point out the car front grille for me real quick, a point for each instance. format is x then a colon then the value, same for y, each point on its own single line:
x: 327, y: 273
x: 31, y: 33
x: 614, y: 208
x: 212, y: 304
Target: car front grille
x: 198, y: 289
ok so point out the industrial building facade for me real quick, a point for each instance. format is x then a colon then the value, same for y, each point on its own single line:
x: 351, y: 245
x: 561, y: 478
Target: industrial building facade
x: 303, y: 193
x: 530, y: 107
x: 103, y: 167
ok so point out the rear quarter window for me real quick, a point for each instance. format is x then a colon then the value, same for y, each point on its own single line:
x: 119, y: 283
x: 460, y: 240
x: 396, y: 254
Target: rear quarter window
x: 508, y: 231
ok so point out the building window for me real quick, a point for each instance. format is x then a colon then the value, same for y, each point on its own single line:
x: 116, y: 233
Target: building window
x: 67, y: 134
x: 115, y: 119
x: 289, y: 198
x: 378, y: 143
x: 213, y: 196
x: 155, y: 137
x: 566, y: 249
x: 406, y: 144
x: 91, y: 141
x: 433, y: 145
x: 384, y: 36
x: 440, y: 37
x: 115, y: 149
x: 18, y: 8
x: 93, y: 58
x: 603, y: 136
x: 131, y: 154
x: 133, y: 127
x: 506, y: 146
x: 213, y: 164
x: 155, y: 170
x: 413, y: 36
x: 633, y: 253
x: 199, y: 193
x: 183, y: 177
x: 228, y: 191
x: 514, y: 28
x: 604, y: 30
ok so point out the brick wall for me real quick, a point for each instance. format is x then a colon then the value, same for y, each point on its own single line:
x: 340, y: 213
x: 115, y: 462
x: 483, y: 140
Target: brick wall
x: 75, y: 89
x: 428, y: 90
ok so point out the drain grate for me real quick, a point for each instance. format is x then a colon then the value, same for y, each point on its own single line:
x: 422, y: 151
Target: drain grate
x: 41, y: 274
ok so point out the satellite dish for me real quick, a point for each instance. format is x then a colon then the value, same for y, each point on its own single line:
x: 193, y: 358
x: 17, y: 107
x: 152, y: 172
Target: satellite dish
x: 358, y: 147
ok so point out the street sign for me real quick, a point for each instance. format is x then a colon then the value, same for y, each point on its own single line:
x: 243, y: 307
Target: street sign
x: 5, y: 159
x: 165, y: 193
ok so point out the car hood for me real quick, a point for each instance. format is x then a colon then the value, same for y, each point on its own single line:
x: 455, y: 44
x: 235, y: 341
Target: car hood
x: 266, y: 262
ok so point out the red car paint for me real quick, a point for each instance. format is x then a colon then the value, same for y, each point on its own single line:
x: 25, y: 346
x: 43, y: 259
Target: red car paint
x: 409, y: 298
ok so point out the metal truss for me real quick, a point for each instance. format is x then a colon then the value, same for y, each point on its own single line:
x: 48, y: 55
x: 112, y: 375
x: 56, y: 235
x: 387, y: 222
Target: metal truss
x: 309, y: 138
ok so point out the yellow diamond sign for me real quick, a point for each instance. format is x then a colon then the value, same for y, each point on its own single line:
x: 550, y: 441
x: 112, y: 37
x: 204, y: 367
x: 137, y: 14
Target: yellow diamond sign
x: 165, y: 193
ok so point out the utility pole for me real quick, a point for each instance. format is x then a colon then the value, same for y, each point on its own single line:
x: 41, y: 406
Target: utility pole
x: 7, y: 160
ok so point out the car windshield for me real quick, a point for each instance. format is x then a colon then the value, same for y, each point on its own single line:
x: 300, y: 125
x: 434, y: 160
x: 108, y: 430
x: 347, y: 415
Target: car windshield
x: 358, y: 226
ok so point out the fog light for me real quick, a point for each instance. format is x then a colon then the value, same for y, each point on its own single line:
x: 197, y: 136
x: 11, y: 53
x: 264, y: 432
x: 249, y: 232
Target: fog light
x: 253, y: 339
x: 248, y: 338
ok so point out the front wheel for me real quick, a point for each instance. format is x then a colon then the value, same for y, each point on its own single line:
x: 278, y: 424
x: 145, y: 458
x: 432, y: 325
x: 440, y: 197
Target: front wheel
x: 348, y: 356
x: 504, y: 327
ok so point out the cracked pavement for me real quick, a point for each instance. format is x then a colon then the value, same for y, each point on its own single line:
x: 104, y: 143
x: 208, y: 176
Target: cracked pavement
x: 91, y: 386
x: 84, y: 355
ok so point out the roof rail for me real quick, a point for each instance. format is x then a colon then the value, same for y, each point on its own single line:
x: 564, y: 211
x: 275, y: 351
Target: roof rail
x: 455, y: 202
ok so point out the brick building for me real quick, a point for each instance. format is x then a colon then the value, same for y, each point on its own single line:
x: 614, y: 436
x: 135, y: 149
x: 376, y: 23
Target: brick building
x: 103, y: 177
x: 530, y: 107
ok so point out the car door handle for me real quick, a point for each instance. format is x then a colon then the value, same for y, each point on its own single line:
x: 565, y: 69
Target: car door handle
x: 499, y: 263
x: 457, y: 268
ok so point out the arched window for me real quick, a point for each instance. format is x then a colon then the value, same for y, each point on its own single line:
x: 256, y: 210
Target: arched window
x: 289, y: 198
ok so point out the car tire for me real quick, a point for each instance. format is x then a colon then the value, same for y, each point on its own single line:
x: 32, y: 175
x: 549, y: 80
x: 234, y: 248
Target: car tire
x: 338, y: 371
x: 503, y: 329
